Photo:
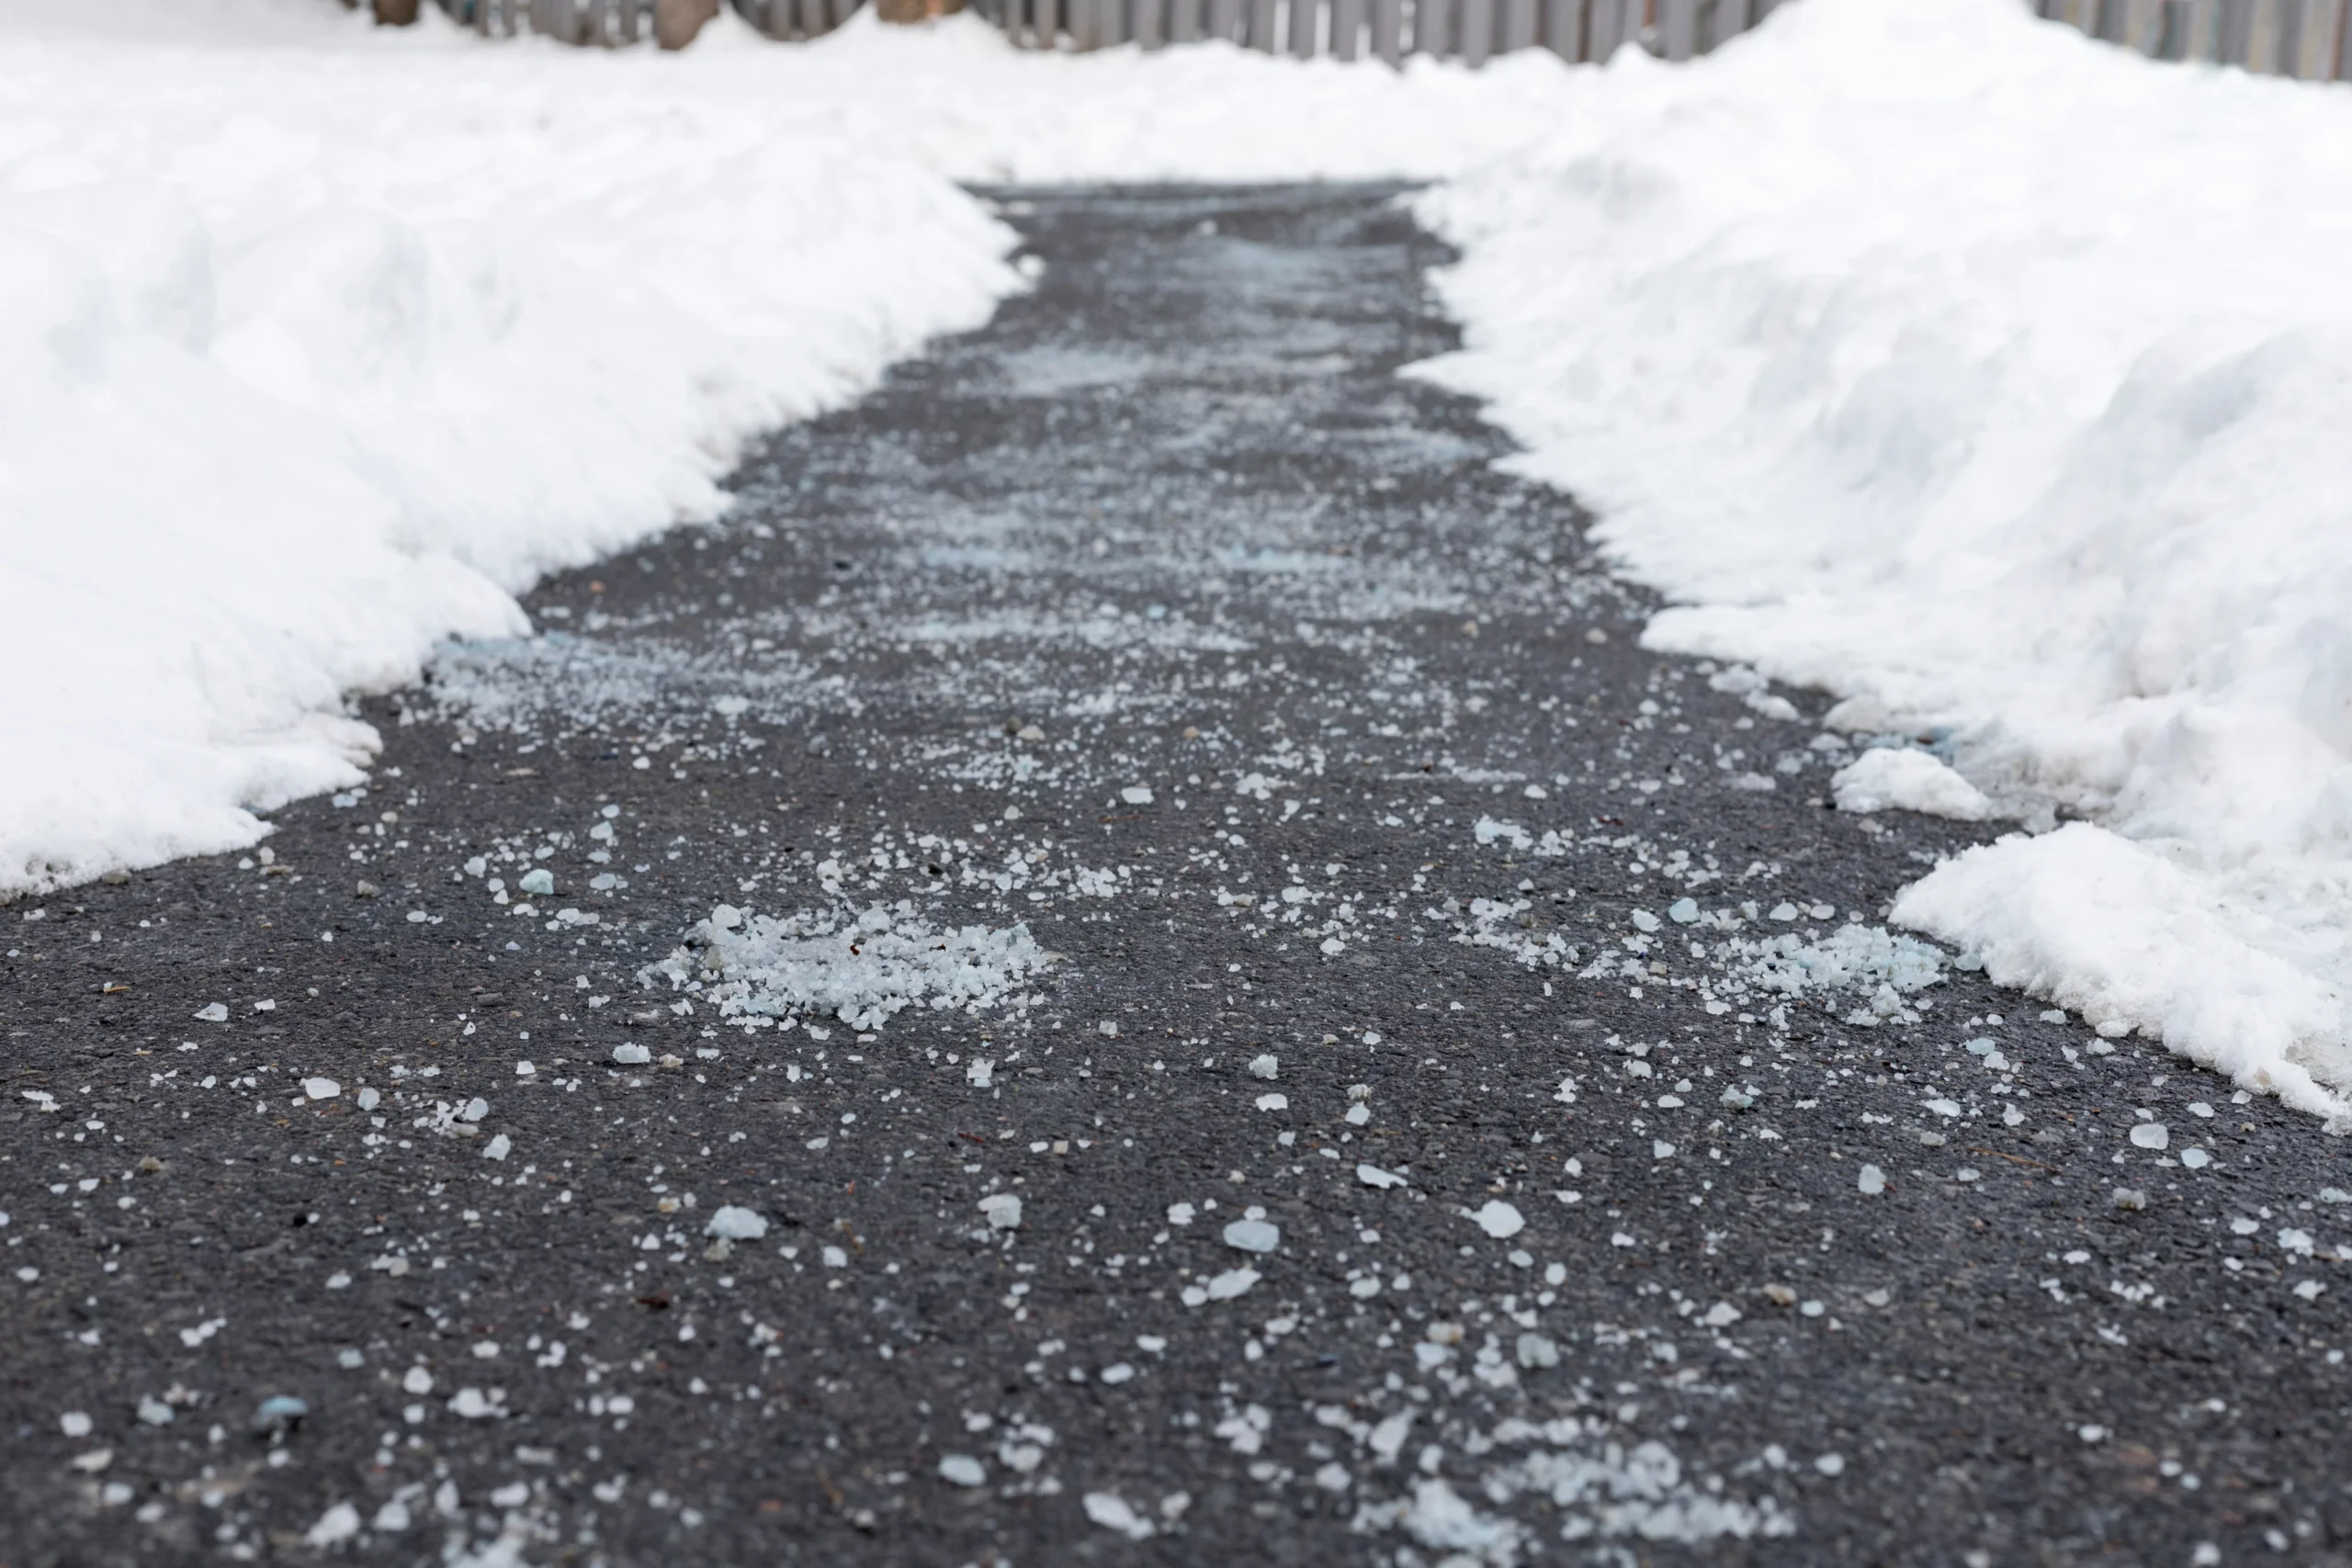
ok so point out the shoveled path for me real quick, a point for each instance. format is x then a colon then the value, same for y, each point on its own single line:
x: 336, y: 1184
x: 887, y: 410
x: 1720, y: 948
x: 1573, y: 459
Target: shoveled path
x: 1165, y: 617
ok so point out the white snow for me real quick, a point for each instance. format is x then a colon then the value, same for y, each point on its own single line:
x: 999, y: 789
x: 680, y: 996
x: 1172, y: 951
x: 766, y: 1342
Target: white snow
x: 1253, y: 1236
x: 320, y: 341
x: 1899, y: 778
x: 733, y: 1223
x: 1988, y: 377
x: 1994, y: 381
x: 1497, y: 1219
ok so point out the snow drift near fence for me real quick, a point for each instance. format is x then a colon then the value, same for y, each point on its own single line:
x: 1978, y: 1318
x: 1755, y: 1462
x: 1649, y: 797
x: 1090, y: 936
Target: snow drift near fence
x: 318, y: 342
x: 1995, y: 379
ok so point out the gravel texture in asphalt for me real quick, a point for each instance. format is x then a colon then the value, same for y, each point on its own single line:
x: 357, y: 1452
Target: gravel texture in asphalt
x: 1128, y: 963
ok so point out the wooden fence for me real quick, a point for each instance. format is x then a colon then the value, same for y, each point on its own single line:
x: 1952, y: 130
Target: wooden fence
x: 2311, y: 39
x: 2308, y: 38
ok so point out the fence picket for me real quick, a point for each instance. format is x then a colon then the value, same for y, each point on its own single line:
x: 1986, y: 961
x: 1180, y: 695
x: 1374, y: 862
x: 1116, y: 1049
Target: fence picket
x: 1303, y: 16
x: 1563, y: 29
x: 2236, y: 32
x: 1347, y: 29
x: 2342, y: 71
x: 1430, y: 30
x: 1604, y: 30
x: 1477, y: 31
x: 1518, y: 25
x: 1678, y: 29
x: 1730, y: 20
x: 1262, y: 26
x: 1388, y: 30
x: 1225, y: 20
x: 1185, y: 22
x: 1151, y: 23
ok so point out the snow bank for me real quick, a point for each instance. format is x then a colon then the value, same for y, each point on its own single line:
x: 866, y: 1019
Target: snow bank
x: 1996, y: 380
x: 318, y: 343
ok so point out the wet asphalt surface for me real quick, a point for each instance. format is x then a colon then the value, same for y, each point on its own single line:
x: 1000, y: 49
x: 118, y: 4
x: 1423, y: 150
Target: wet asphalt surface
x: 1163, y: 617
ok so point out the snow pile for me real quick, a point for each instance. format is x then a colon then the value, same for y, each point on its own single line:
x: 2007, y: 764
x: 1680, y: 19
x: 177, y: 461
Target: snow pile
x: 1992, y: 380
x: 860, y: 969
x: 1899, y: 778
x: 318, y: 342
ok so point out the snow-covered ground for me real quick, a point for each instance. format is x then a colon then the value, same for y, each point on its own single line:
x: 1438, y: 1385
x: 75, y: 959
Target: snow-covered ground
x: 1996, y: 381
x: 1989, y: 378
x: 317, y: 340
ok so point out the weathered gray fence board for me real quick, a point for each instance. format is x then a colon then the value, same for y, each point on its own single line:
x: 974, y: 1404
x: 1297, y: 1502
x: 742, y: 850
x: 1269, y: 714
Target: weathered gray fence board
x: 2310, y: 39
x: 1347, y: 29
x: 1431, y: 34
x: 1303, y: 16
x: 1564, y: 28
x: 1477, y: 31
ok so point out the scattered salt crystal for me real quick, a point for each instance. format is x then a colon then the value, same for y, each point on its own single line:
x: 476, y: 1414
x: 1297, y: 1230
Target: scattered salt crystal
x: 321, y: 1089
x: 1108, y: 1028
x: 1373, y: 1175
x: 2199, y: 1108
x: 1232, y: 1282
x: 1111, y: 1513
x: 631, y: 1056
x: 1723, y: 1314
x: 1683, y: 911
x: 1944, y: 1107
x: 75, y: 1424
x: 2151, y: 1135
x: 212, y: 1012
x: 2131, y: 1199
x: 1659, y: 1148
x: 1644, y: 922
x: 980, y: 1072
x: 1878, y: 1297
x: 1537, y: 1351
x: 1784, y: 911
x: 962, y: 1470
x: 1117, y: 1373
x: 732, y: 1222
x: 334, y: 1527
x: 1500, y: 1220
x: 539, y: 881
x: 1253, y: 1236
x: 155, y: 1413
x: 1136, y: 795
x: 2196, y: 1160
x: 2055, y: 1015
x: 2091, y: 1432
x: 1273, y: 1102
x: 417, y: 1380
x: 1179, y: 1213
x: 1830, y: 1465
x: 1003, y: 1210
x: 499, y: 1147
x: 1264, y: 1067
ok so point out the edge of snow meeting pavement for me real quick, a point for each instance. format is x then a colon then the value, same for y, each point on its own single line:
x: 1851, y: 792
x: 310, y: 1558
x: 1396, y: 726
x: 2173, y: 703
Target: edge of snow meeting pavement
x: 321, y: 343
x: 1984, y: 377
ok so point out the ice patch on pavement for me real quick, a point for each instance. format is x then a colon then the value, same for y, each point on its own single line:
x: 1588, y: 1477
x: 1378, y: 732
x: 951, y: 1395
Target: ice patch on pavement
x: 860, y: 968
